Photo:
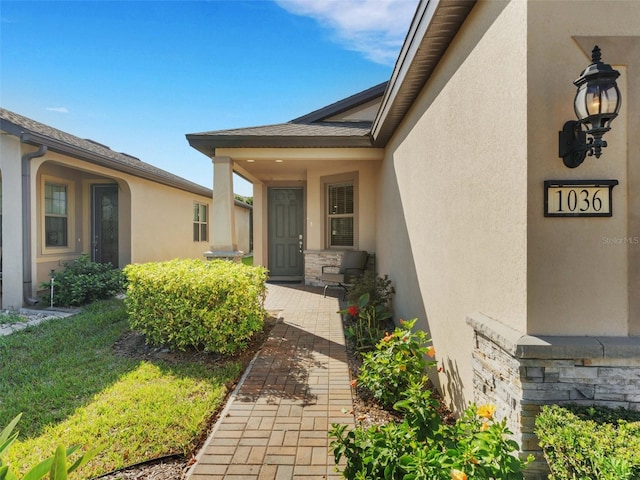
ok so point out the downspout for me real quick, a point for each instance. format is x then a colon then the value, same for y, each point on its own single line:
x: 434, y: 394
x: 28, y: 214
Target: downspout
x: 27, y: 279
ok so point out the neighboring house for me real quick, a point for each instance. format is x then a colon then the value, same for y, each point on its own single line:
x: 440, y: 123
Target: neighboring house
x: 62, y: 196
x: 441, y: 173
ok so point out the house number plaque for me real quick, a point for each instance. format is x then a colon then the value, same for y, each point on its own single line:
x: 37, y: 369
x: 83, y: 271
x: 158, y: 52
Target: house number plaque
x: 578, y: 198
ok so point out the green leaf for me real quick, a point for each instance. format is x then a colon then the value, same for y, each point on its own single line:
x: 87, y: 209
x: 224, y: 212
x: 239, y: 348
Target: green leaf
x: 39, y: 471
x: 6, y: 437
x: 59, y: 465
x: 84, y: 459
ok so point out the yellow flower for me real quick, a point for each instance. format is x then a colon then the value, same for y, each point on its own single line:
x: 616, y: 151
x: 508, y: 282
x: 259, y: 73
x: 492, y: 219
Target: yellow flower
x: 431, y: 351
x: 402, y: 368
x: 484, y: 427
x: 458, y: 475
x: 487, y: 411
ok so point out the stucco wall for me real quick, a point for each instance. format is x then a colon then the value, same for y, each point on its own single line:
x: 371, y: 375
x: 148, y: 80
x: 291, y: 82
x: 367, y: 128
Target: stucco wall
x: 155, y: 220
x: 243, y: 225
x: 581, y: 274
x: 366, y: 173
x: 11, y: 177
x: 451, y: 229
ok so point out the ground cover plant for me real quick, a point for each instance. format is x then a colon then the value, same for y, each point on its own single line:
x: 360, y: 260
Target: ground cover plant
x: 56, y: 467
x: 10, y: 318
x: 590, y: 442
x: 74, y: 388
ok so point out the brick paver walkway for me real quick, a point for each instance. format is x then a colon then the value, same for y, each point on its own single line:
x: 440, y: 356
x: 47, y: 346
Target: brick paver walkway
x: 275, y: 425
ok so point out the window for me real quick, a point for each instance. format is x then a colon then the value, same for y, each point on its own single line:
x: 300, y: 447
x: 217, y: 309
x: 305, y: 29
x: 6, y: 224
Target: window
x: 340, y: 214
x: 56, y: 215
x: 200, y: 222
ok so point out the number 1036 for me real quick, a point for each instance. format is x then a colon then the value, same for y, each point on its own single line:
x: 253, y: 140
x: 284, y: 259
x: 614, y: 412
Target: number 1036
x: 578, y: 200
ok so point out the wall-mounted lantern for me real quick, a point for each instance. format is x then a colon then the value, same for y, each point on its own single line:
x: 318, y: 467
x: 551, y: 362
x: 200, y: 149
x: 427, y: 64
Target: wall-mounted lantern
x: 596, y: 104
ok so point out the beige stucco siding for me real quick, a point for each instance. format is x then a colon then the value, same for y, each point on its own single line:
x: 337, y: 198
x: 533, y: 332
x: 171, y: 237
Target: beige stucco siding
x: 11, y: 177
x: 365, y: 174
x: 162, y: 223
x: 581, y: 275
x: 243, y: 228
x: 453, y: 197
x: 155, y: 220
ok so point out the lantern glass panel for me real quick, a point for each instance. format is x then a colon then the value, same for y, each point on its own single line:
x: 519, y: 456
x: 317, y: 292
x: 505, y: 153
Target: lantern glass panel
x: 609, y: 99
x: 579, y: 103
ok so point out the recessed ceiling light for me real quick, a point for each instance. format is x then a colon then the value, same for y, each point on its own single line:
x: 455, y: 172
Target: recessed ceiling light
x: 250, y: 160
x: 279, y: 161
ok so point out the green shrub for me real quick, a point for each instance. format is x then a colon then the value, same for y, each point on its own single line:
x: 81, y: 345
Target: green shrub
x: 592, y: 443
x: 421, y: 447
x: 397, y: 362
x: 214, y: 306
x: 379, y: 289
x: 83, y: 281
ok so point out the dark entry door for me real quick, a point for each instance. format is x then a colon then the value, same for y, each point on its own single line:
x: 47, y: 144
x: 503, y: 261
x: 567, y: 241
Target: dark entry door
x: 286, y: 217
x: 105, y: 224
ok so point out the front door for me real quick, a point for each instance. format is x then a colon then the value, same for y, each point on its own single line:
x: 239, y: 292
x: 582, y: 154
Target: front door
x: 104, y: 223
x: 286, y: 226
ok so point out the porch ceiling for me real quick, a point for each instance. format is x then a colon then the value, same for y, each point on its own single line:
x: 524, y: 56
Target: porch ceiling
x: 292, y: 164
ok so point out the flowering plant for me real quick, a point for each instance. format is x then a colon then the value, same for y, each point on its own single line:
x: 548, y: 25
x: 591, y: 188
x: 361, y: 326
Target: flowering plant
x: 398, y: 361
x: 421, y: 447
x: 368, y: 323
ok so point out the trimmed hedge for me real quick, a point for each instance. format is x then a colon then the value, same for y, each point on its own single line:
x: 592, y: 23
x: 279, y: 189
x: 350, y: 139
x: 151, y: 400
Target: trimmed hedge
x: 590, y: 442
x: 215, y: 306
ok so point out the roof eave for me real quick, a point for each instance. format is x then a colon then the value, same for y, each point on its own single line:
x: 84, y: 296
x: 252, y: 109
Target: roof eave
x: 207, y: 144
x: 343, y: 105
x: 432, y: 30
x: 36, y: 139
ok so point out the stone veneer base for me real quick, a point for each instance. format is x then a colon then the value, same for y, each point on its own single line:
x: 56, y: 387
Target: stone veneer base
x: 314, y: 260
x: 519, y: 373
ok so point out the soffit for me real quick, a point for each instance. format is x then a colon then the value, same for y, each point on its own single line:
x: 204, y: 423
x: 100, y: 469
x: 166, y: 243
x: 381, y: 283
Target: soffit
x: 433, y: 28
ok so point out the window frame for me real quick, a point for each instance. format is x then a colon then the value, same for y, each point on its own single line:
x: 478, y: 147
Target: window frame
x: 327, y: 183
x: 70, y: 217
x: 199, y: 222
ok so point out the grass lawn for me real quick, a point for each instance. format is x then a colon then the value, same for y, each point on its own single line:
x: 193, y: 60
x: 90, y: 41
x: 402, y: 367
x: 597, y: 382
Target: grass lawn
x: 74, y: 389
x: 248, y: 260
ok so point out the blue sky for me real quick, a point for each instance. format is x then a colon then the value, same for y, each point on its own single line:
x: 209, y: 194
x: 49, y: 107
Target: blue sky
x: 138, y: 75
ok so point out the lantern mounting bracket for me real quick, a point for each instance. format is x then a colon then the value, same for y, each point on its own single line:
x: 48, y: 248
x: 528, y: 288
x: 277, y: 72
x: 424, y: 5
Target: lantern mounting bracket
x: 573, y: 144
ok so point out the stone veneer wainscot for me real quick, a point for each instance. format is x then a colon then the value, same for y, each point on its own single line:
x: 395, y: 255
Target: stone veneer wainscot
x: 519, y: 373
x: 314, y: 260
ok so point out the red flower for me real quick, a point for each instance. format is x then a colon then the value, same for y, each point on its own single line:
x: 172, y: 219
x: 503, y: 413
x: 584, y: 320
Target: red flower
x: 353, y: 311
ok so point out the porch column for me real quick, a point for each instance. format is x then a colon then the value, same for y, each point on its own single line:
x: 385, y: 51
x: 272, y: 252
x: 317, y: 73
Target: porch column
x: 223, y: 226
